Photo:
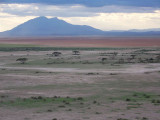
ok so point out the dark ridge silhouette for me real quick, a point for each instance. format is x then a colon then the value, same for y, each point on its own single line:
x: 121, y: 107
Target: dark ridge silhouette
x: 43, y: 26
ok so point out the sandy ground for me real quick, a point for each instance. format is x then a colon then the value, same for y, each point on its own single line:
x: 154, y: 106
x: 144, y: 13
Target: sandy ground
x: 138, y: 68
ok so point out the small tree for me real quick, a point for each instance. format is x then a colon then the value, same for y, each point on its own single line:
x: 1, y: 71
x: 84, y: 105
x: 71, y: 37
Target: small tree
x: 56, y: 54
x: 22, y: 60
x: 133, y: 56
x: 103, y: 60
x: 76, y: 52
x: 151, y: 60
x: 115, y: 53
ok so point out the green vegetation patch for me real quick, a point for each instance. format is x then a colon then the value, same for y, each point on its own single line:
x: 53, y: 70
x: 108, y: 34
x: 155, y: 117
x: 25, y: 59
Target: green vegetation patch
x: 28, y: 47
x: 137, y: 97
x: 39, y: 101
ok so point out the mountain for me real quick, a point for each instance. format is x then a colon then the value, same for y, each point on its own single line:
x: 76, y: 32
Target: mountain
x: 43, y: 26
x: 145, y: 30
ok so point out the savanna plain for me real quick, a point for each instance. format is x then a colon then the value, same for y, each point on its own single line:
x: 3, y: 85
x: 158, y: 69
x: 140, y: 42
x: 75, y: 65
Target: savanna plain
x: 79, y: 83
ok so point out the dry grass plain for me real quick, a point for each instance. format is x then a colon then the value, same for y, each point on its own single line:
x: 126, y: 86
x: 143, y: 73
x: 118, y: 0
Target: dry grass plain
x: 120, y: 83
x: 86, y: 41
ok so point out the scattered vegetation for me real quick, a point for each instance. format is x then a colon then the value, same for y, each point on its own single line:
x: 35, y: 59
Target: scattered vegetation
x: 38, y: 101
x: 106, y: 92
x: 11, y: 47
x: 22, y: 60
x: 138, y: 97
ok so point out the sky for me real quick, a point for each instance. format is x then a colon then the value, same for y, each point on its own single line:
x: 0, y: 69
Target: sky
x: 102, y: 14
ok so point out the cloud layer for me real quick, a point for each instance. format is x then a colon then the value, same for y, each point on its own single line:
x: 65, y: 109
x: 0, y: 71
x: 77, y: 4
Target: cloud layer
x: 68, y: 10
x: 92, y: 3
x: 119, y: 21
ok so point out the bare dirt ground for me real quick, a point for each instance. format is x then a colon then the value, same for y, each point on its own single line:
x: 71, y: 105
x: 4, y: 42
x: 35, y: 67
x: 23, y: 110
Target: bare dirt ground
x: 86, y: 41
x: 80, y: 87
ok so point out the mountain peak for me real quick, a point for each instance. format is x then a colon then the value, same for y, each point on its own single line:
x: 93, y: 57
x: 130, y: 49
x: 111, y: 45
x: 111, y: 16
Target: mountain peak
x: 42, y: 17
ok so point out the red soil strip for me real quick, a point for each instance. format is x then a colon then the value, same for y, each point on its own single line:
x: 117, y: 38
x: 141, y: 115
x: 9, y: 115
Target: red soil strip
x: 86, y: 41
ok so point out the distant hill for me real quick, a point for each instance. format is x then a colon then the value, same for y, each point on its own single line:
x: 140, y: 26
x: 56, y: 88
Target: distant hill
x: 145, y: 30
x: 43, y: 26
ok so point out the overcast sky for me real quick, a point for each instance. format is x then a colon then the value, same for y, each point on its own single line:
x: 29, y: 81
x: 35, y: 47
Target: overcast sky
x: 101, y: 14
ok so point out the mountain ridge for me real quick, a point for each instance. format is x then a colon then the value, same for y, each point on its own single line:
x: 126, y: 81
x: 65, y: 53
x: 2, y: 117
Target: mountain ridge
x: 42, y: 26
